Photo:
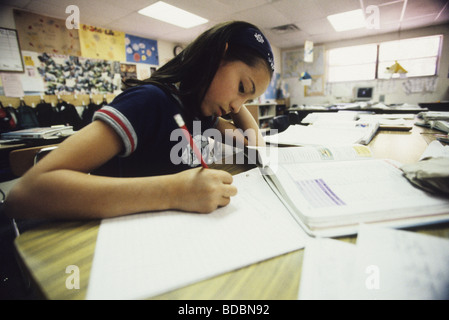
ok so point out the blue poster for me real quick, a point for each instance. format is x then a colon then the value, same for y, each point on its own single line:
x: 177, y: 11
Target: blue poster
x: 141, y: 50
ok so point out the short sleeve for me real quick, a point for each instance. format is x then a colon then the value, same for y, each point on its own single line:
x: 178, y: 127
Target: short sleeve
x: 136, y: 114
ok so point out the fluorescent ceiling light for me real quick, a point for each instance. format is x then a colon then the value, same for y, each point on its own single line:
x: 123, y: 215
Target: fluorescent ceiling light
x: 168, y: 13
x: 347, y: 20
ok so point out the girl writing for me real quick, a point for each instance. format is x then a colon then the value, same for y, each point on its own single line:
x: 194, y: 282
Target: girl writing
x: 120, y: 163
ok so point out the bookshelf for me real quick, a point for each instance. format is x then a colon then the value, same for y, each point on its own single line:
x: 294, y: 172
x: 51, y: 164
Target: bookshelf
x: 264, y: 112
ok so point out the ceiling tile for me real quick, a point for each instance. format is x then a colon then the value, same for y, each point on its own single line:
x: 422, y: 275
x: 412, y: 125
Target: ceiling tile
x: 264, y: 17
x: 417, y: 8
x: 308, y: 15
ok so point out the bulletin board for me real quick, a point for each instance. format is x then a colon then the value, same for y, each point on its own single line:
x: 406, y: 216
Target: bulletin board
x: 10, y: 54
x: 44, y: 34
x: 141, y: 50
x: 100, y: 43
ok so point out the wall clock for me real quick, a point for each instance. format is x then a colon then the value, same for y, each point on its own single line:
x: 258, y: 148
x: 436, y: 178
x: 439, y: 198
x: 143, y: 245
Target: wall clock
x: 177, y: 50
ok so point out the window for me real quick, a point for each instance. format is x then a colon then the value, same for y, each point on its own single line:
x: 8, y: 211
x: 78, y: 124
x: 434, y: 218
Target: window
x: 352, y: 63
x: 419, y: 56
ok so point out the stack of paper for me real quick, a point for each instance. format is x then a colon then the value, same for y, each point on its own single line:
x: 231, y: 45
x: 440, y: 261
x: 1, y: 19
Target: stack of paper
x: 39, y: 133
x: 441, y: 125
x: 334, y: 116
x: 431, y: 173
x: 434, y: 115
x: 397, y: 121
x: 331, y: 133
x: 384, y: 264
x: 434, y: 119
x: 367, y: 129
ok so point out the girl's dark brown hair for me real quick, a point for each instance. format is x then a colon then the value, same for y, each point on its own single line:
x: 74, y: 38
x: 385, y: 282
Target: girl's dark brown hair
x: 195, y: 67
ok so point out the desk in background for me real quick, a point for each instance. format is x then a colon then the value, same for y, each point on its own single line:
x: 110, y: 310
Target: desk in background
x: 303, y: 111
x: 49, y: 249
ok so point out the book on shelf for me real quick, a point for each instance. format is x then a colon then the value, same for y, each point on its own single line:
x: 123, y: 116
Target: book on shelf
x: 330, y: 191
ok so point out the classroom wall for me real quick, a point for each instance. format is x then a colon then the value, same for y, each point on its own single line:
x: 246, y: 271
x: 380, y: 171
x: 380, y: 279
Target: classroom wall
x: 165, y: 52
x: 165, y: 48
x: 393, y: 89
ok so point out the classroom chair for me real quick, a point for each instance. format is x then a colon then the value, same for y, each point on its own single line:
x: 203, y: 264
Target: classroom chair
x: 294, y: 118
x: 281, y: 123
x: 23, y: 159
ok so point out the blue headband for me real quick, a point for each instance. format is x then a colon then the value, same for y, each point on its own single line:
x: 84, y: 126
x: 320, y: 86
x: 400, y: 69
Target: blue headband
x: 254, y: 39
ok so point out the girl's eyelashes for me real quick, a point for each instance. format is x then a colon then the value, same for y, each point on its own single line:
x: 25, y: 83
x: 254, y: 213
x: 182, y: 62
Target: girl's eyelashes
x: 241, y: 88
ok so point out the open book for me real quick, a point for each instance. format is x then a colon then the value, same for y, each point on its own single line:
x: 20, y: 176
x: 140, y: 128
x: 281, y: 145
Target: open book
x: 336, y: 133
x: 331, y: 190
x: 151, y: 253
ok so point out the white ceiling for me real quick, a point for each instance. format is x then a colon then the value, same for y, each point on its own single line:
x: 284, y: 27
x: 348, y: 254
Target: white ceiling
x: 308, y: 15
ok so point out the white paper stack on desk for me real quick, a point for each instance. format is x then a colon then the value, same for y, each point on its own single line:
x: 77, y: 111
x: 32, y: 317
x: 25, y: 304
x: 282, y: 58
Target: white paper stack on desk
x: 329, y: 132
x: 434, y: 119
x: 384, y: 264
x: 39, y: 133
x: 431, y: 173
x: 388, y: 121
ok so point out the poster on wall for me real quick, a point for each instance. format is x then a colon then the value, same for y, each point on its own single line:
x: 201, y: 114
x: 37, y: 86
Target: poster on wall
x: 10, y: 54
x: 63, y: 74
x: 293, y: 63
x: 44, y: 34
x: 141, y: 50
x: 128, y: 71
x: 316, y: 87
x: 99, y: 43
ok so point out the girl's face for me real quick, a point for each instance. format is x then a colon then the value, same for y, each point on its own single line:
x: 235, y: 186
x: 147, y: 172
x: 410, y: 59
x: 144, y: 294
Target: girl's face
x: 234, y: 84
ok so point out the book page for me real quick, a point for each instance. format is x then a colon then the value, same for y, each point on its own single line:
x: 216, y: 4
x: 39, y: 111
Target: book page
x: 271, y: 156
x: 348, y: 192
x: 299, y: 135
x: 144, y: 255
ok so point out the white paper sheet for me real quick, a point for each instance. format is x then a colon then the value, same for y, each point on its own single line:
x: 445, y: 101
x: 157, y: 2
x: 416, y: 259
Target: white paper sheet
x: 300, y: 135
x: 435, y: 149
x: 385, y: 264
x: 148, y: 254
x: 408, y: 265
x: 326, y: 269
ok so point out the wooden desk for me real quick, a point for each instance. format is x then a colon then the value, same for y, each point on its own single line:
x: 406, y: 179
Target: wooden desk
x: 48, y: 250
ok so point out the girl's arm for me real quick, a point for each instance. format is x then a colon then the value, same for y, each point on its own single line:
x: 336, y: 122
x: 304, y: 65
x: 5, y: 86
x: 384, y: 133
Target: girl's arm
x: 59, y: 186
x: 245, y: 121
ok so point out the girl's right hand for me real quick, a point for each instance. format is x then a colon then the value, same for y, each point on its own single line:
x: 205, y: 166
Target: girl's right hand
x: 203, y: 190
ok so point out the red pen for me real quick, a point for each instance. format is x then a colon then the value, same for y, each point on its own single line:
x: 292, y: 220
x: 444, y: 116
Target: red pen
x: 180, y: 121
